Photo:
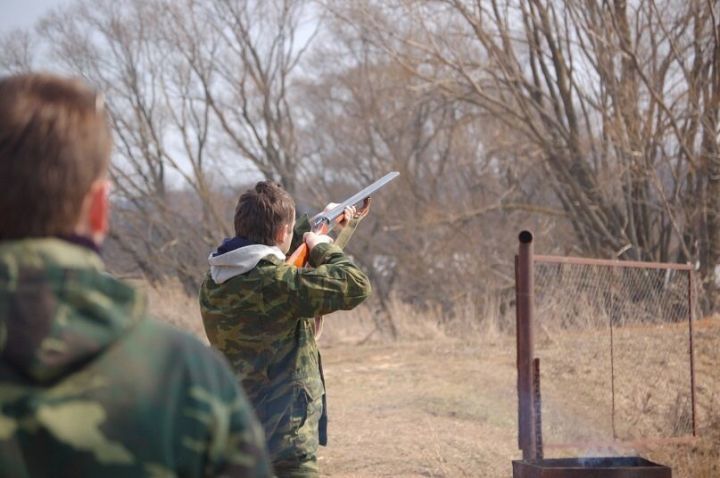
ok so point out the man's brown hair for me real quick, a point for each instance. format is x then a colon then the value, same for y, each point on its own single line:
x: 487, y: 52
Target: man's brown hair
x: 261, y: 211
x: 55, y: 141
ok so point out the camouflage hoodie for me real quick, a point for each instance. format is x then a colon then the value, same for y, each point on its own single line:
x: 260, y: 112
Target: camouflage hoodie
x: 261, y: 318
x: 89, y: 387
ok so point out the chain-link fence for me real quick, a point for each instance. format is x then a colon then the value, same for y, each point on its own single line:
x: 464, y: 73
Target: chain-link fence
x: 614, y: 341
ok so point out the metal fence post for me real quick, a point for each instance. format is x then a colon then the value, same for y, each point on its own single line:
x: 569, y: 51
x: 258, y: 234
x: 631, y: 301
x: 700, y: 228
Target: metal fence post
x: 525, y: 346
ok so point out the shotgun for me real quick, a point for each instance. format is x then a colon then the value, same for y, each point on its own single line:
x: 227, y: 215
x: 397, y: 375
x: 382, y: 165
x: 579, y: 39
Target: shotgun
x: 321, y: 223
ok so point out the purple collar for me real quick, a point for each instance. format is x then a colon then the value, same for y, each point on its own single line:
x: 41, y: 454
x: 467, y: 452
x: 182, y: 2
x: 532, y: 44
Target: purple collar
x: 232, y: 243
x: 82, y: 241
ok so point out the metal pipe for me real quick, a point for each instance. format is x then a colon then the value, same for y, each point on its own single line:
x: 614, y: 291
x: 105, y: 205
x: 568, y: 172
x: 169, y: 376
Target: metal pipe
x: 691, y: 306
x: 525, y: 345
x: 611, y: 263
x: 612, y: 378
x: 537, y: 409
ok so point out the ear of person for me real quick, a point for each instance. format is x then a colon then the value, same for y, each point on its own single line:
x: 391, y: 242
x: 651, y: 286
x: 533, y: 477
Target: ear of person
x: 98, y: 213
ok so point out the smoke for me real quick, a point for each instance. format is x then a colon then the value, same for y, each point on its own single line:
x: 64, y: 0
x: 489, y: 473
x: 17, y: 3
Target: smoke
x: 606, y: 457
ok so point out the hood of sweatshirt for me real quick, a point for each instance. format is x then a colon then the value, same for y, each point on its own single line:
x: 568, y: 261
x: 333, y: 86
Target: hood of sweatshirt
x: 237, y: 256
x: 58, y: 308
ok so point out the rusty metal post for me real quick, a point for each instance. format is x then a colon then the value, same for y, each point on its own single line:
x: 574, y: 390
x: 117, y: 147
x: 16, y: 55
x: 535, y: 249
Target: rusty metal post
x: 525, y: 346
x: 691, y: 306
x: 537, y: 408
x: 612, y: 379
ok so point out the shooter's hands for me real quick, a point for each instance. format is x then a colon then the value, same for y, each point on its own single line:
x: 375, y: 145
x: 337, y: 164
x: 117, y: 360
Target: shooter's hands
x: 348, y: 214
x: 312, y: 240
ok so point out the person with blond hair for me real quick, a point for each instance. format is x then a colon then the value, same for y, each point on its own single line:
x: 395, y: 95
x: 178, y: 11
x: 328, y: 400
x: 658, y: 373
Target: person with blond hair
x: 89, y: 386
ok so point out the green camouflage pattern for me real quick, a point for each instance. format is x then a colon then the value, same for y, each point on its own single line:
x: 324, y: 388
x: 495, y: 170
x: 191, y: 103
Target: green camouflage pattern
x: 262, y: 322
x: 90, y: 387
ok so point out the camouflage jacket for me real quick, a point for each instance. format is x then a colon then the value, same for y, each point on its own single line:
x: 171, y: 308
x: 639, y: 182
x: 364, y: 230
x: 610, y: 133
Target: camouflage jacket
x: 90, y: 387
x: 260, y: 316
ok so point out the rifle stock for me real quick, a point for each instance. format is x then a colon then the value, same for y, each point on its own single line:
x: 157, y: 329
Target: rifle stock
x: 300, y: 257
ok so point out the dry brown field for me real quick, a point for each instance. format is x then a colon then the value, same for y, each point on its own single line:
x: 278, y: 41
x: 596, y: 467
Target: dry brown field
x: 443, y: 404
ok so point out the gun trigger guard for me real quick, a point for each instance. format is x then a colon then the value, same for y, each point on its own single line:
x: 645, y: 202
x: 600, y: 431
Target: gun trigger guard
x: 364, y: 210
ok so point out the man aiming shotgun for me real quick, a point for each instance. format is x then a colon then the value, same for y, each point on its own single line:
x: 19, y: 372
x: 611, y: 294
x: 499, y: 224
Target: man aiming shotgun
x: 259, y: 311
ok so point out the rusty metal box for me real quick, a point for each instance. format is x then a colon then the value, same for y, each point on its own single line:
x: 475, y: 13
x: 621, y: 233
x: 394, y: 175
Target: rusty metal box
x: 592, y: 467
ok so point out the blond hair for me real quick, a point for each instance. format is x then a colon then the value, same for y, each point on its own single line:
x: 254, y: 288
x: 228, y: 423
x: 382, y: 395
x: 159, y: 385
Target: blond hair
x: 55, y: 141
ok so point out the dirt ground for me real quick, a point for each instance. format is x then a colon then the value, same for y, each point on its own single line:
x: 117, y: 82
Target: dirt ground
x: 447, y: 407
x: 430, y: 405
x: 430, y: 408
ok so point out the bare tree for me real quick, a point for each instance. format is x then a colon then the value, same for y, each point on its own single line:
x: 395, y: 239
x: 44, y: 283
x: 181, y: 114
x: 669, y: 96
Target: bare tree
x: 199, y: 94
x: 616, y: 101
x: 251, y: 86
x: 432, y: 239
x: 594, y: 121
x: 17, y: 52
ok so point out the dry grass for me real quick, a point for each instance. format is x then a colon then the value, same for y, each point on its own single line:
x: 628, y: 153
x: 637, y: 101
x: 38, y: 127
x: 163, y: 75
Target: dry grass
x: 441, y: 401
x: 170, y: 304
x: 651, y: 396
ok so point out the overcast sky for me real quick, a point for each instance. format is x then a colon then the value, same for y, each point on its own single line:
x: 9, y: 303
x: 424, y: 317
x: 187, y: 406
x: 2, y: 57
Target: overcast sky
x: 23, y: 13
